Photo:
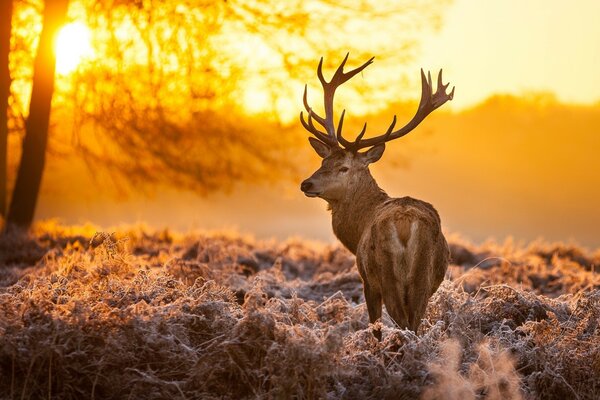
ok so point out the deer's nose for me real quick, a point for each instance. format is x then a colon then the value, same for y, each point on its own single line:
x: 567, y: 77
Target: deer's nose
x: 306, y: 185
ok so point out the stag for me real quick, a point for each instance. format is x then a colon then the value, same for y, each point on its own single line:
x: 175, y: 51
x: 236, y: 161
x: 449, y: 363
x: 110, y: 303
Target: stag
x: 401, y: 253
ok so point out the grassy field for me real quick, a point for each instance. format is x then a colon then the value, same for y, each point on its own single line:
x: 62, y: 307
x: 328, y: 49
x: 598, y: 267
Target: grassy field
x: 156, y: 315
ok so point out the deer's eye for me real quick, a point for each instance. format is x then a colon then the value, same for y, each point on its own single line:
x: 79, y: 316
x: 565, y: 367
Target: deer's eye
x: 343, y: 169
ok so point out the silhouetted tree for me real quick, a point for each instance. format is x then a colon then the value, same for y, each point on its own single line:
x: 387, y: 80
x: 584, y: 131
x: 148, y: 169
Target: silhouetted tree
x: 5, y: 28
x: 33, y: 156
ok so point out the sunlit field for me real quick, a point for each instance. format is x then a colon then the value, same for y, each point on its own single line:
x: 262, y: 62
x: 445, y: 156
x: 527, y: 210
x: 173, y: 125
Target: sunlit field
x: 171, y: 229
x: 141, y: 314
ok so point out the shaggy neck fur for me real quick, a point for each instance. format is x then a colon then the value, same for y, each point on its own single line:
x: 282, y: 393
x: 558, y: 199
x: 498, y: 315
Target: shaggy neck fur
x: 352, y: 213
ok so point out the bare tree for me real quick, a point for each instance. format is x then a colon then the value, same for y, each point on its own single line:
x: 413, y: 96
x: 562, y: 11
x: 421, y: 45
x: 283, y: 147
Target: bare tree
x: 5, y: 28
x: 33, y: 157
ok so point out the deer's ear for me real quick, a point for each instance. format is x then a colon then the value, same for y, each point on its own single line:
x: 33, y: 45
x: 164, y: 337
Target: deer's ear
x: 374, y: 153
x: 321, y: 148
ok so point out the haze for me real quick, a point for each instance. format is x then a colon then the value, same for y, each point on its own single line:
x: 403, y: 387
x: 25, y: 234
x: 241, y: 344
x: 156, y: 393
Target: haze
x: 513, y: 155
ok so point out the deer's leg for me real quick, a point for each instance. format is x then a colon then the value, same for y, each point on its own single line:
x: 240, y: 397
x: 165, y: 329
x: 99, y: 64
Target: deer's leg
x: 395, y: 285
x: 397, y: 305
x: 373, y: 299
x: 370, y: 288
x: 417, y: 310
x: 433, y: 268
x: 420, y: 277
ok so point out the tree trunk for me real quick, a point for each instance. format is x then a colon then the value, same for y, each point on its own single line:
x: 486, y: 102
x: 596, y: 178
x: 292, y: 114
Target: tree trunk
x: 29, y: 177
x: 5, y: 26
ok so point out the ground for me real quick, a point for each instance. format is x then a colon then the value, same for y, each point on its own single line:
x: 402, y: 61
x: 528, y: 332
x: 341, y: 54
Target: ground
x: 155, y: 315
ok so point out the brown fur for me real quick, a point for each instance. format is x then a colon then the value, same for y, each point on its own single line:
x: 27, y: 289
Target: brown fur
x: 401, y: 253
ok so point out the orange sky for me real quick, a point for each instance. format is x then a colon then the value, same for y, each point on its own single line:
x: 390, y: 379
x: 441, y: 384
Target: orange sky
x: 485, y: 47
x: 516, y: 46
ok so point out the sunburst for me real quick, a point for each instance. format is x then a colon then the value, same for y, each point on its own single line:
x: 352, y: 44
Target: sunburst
x: 73, y: 45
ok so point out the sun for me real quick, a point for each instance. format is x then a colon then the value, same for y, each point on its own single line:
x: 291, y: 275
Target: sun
x: 73, y: 45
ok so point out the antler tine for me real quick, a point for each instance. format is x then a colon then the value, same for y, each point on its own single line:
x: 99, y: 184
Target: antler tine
x: 425, y: 88
x: 361, y: 134
x: 345, y: 143
x: 429, y: 80
x: 309, y: 126
x: 390, y: 129
x: 327, y: 123
x: 309, y: 110
x: 339, y: 76
x: 440, y: 96
x: 329, y: 88
x: 339, y: 136
x: 340, y: 68
x: 356, y: 145
x: 320, y: 72
x: 428, y: 103
x: 440, y: 83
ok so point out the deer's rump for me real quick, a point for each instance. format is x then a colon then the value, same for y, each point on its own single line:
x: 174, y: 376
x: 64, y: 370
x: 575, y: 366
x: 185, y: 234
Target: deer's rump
x: 404, y: 257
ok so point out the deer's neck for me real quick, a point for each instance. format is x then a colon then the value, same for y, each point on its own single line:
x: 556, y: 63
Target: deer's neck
x: 352, y: 214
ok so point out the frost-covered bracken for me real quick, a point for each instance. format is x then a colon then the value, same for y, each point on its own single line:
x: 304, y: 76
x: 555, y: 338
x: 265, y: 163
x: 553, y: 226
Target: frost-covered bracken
x: 157, y: 315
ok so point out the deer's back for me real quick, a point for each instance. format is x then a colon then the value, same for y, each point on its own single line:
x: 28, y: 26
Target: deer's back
x: 407, y: 216
x: 409, y: 231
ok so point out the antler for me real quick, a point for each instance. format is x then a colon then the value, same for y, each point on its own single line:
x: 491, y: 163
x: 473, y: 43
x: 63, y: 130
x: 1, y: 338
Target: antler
x: 330, y: 136
x: 429, y: 102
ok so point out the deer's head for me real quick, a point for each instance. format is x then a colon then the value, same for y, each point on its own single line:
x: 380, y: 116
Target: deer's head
x: 344, y: 167
x: 341, y: 171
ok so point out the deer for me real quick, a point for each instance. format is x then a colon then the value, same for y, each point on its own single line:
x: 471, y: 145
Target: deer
x: 401, y: 253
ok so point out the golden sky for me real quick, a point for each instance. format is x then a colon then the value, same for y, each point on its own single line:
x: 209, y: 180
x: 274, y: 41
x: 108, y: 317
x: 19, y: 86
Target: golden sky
x: 485, y: 47
x: 516, y: 46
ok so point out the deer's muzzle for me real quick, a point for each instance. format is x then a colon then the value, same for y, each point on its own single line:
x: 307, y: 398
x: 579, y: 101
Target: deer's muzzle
x: 308, y: 189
